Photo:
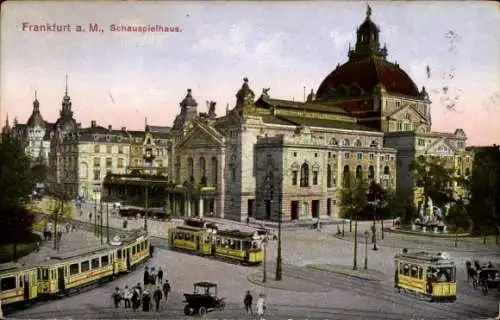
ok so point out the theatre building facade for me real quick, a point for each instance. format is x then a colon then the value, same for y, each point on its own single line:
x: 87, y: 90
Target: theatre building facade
x: 269, y: 158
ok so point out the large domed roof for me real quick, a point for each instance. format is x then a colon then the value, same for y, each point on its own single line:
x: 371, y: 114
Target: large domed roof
x: 365, y: 74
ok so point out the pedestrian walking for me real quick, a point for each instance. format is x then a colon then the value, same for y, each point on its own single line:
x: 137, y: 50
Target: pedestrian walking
x: 127, y: 296
x: 116, y: 297
x: 160, y: 275
x: 166, y: 289
x: 135, y: 299
x: 90, y: 216
x: 261, y: 305
x: 248, y: 302
x: 152, y: 276
x: 146, y: 301
x: 157, y: 296
x: 146, y: 276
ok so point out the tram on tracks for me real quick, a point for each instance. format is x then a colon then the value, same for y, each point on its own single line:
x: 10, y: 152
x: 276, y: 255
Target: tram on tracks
x: 430, y: 275
x: 64, y: 274
x: 200, y: 237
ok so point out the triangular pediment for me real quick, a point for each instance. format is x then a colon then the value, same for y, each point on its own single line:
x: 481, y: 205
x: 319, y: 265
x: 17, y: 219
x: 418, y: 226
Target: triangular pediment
x: 201, y: 136
x: 401, y: 114
x: 441, y: 147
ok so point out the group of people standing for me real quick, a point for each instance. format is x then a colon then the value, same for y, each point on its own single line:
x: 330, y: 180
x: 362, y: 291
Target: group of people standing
x: 136, y: 297
x: 260, y: 305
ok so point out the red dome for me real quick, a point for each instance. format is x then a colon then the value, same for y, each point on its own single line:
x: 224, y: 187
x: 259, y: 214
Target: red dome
x: 366, y: 74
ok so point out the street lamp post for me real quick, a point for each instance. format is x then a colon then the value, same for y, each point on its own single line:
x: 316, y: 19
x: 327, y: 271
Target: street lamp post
x: 101, y: 222
x: 355, y: 259
x: 95, y: 216
x: 343, y: 224
x: 278, y: 258
x: 374, y: 225
x: 107, y: 223
x: 146, y: 209
x: 264, y: 276
x: 366, y: 249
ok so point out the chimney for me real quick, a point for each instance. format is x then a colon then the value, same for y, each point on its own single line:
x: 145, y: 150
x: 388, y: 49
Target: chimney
x: 124, y: 128
x: 110, y: 127
x: 93, y: 124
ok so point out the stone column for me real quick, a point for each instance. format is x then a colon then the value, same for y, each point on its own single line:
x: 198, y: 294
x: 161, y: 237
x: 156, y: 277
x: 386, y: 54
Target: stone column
x: 340, y: 170
x: 200, y: 207
x: 377, y: 168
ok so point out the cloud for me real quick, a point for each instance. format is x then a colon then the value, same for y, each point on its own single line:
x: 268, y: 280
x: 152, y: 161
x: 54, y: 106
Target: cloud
x: 243, y: 40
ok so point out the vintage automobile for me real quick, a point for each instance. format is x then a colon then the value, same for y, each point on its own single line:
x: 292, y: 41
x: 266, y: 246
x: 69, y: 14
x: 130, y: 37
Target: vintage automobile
x: 203, y: 299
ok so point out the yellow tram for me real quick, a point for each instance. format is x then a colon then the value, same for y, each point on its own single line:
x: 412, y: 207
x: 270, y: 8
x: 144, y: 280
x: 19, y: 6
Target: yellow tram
x: 63, y: 274
x: 431, y: 275
x: 203, y: 239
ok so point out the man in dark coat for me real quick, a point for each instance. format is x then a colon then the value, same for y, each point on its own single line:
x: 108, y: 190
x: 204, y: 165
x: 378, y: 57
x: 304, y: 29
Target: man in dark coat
x: 117, y: 297
x: 248, y: 302
x: 146, y: 276
x: 157, y: 295
x: 166, y: 289
x: 160, y: 276
x: 146, y: 301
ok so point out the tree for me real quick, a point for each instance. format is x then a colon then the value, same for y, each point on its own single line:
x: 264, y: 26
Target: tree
x: 435, y: 179
x: 353, y: 199
x: 457, y: 216
x: 39, y: 173
x: 484, y: 202
x: 399, y: 203
x: 16, y: 182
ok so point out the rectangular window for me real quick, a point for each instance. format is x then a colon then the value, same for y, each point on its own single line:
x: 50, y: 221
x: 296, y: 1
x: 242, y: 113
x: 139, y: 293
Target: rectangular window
x: 95, y: 263
x: 109, y: 162
x: 160, y: 163
x: 120, y: 149
x: 372, y: 156
x: 97, y: 175
x: 97, y: 148
x: 97, y: 162
x: 382, y: 157
x: 295, y: 175
x: 315, y: 178
x: 346, y: 155
x: 120, y: 163
x: 387, y: 157
x: 109, y: 149
x: 8, y: 283
x: 360, y: 156
x: 73, y: 269
x: 85, y: 266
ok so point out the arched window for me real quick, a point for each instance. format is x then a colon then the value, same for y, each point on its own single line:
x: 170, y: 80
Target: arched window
x: 329, y: 176
x: 214, y: 171
x: 191, y: 169
x: 359, y: 172
x: 84, y: 170
x: 373, y: 144
x: 346, y: 177
x: 358, y: 143
x: 467, y: 172
x: 345, y: 142
x: 304, y: 175
x: 371, y: 172
x: 333, y: 142
x: 203, y: 167
x: 387, y: 170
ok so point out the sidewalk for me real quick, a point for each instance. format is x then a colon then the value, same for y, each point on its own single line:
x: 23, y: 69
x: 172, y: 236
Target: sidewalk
x: 70, y: 242
x: 287, y: 283
x: 365, y: 274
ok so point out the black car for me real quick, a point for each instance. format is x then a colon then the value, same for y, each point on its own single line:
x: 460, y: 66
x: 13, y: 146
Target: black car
x: 203, y: 299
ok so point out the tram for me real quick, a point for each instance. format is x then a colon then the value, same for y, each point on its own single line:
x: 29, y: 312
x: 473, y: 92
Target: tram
x: 63, y: 274
x: 200, y: 237
x: 427, y: 274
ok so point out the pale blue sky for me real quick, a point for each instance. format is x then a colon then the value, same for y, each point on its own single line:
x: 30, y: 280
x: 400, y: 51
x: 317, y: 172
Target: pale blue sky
x: 282, y: 45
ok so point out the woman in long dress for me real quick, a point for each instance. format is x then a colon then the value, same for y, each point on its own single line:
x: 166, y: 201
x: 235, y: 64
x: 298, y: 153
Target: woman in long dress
x: 261, y: 305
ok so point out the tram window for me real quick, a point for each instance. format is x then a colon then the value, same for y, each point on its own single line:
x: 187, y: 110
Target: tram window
x: 45, y: 274
x: 20, y: 282
x: 39, y: 273
x: 133, y: 250
x: 95, y: 263
x: 445, y: 274
x: 85, y: 266
x: 406, y: 270
x: 8, y: 283
x: 247, y: 245
x: 53, y: 274
x: 119, y: 254
x: 414, y: 271
x: 420, y: 273
x: 104, y: 261
x: 137, y: 248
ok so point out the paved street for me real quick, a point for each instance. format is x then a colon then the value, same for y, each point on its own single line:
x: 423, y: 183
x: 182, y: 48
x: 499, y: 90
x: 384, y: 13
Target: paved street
x: 326, y: 295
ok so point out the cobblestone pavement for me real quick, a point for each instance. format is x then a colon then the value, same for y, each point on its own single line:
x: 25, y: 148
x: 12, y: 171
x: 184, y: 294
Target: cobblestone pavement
x: 337, y: 297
